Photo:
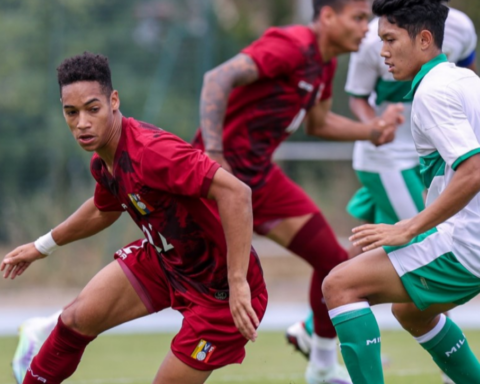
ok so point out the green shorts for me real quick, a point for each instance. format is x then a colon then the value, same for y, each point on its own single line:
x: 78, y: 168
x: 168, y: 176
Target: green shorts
x: 387, y: 197
x: 431, y: 273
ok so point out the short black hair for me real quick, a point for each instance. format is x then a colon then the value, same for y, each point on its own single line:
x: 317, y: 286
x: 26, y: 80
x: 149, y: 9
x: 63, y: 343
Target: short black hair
x: 415, y: 15
x: 85, y: 67
x: 337, y: 5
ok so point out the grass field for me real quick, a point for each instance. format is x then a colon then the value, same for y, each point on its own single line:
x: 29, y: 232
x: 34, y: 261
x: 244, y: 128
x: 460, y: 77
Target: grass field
x: 134, y: 359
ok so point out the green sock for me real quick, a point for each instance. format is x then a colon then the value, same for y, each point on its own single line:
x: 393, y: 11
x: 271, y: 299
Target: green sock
x: 451, y: 352
x: 309, y: 324
x: 359, y: 337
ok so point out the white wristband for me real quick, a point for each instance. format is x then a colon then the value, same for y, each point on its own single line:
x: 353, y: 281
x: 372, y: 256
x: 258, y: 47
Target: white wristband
x: 45, y: 244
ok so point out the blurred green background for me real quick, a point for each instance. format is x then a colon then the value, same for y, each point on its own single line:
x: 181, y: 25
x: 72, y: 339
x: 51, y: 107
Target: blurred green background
x: 158, y: 51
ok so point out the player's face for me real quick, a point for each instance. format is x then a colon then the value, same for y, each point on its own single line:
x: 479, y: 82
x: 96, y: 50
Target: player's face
x: 350, y: 25
x: 89, y: 113
x: 399, y: 50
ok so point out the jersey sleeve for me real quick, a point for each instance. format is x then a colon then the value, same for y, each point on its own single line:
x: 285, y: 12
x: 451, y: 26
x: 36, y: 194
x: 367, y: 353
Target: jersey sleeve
x: 275, y: 53
x: 363, y: 70
x: 442, y: 120
x: 174, y: 166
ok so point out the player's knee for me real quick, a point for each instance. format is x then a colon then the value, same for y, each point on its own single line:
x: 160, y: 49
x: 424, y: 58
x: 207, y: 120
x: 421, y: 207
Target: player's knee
x: 333, y: 285
x: 74, y: 318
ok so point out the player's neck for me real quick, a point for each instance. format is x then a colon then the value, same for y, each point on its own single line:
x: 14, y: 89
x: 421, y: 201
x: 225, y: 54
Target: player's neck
x: 107, y: 151
x: 327, y: 50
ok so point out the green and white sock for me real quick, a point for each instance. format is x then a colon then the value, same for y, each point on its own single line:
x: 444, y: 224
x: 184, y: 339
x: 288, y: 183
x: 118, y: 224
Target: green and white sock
x: 359, y: 336
x: 450, y: 350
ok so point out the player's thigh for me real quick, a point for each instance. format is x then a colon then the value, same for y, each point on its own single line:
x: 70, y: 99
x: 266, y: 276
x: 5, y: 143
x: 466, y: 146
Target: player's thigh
x: 370, y: 276
x: 107, y: 301
x: 175, y: 371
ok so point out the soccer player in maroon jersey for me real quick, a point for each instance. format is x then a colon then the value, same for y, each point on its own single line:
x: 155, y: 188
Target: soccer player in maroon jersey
x: 189, y: 260
x: 257, y: 99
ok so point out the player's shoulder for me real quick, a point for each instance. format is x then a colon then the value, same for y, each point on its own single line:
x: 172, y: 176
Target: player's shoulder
x: 444, y: 82
x: 458, y: 20
x: 141, y: 137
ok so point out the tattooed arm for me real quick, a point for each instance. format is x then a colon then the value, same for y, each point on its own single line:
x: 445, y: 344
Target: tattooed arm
x: 217, y: 85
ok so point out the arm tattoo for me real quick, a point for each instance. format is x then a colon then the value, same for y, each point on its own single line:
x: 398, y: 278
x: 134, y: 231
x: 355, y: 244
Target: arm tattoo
x: 217, y: 85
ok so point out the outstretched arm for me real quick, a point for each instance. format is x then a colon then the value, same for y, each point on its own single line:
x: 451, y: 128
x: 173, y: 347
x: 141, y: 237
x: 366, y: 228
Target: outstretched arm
x: 235, y: 206
x: 217, y: 85
x: 321, y: 122
x: 85, y: 222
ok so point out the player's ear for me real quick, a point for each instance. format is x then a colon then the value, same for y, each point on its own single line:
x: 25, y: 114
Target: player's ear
x: 425, y: 39
x: 327, y: 15
x: 115, y: 100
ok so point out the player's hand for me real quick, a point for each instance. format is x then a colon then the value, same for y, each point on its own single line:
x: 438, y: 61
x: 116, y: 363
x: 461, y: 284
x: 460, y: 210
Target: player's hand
x: 371, y: 236
x: 17, y: 261
x: 386, y: 125
x: 220, y: 159
x: 243, y: 314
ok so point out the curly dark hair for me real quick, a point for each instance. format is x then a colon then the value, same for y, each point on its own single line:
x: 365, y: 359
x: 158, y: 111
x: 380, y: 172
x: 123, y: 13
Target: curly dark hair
x: 415, y: 15
x: 337, y: 5
x: 85, y: 67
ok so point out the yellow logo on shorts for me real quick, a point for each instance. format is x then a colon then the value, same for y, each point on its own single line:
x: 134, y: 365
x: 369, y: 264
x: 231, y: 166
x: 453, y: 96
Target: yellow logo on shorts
x: 204, y: 351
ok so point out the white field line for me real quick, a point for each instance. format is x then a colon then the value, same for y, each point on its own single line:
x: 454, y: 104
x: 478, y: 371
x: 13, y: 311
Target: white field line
x: 239, y: 378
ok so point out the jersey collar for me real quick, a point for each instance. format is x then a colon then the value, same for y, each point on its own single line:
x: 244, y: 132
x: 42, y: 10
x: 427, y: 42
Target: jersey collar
x: 427, y: 67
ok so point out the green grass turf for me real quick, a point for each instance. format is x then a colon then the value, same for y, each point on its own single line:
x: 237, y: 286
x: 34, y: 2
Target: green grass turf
x: 134, y: 359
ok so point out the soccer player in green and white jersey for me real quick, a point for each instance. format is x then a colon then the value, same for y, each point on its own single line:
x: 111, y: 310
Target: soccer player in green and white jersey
x: 392, y: 188
x: 430, y: 263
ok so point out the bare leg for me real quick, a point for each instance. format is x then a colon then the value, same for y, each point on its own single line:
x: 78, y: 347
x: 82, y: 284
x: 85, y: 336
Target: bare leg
x: 417, y: 322
x: 107, y: 300
x: 175, y: 371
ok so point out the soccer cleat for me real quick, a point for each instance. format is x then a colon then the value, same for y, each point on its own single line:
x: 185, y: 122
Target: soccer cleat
x: 446, y: 379
x: 298, y: 336
x: 32, y: 334
x: 337, y: 374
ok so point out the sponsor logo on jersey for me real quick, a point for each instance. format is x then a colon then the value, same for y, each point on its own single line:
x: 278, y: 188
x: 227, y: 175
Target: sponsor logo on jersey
x: 140, y: 205
x: 204, y: 351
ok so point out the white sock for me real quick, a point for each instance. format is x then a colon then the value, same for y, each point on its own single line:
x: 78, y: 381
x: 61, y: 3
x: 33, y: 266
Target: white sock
x: 324, y: 352
x: 50, y: 322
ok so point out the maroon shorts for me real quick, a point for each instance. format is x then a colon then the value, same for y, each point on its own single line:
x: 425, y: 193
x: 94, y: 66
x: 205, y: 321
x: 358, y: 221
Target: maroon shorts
x: 278, y: 199
x: 208, y: 338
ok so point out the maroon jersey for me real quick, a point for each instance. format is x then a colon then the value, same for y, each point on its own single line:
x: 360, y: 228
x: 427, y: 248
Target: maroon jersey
x: 261, y: 115
x: 161, y: 181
